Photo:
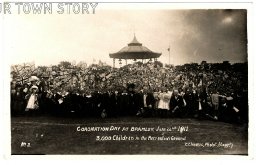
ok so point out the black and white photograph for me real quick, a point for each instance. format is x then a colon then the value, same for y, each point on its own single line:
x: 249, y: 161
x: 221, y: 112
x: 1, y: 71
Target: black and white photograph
x: 145, y: 78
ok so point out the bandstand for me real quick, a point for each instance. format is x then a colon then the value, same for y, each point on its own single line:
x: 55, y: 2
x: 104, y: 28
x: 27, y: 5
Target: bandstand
x: 134, y: 51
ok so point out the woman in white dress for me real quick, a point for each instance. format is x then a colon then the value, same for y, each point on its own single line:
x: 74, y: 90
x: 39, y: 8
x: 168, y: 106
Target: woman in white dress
x: 164, y: 100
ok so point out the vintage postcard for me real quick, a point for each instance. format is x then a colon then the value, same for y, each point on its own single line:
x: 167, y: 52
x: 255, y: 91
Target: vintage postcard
x: 127, y: 78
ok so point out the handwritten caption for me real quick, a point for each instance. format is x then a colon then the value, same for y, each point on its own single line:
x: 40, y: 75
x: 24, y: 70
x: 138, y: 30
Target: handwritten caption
x: 121, y: 137
x: 180, y: 129
x: 157, y: 133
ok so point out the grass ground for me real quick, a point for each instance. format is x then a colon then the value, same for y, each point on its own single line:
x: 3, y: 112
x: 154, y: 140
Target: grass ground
x: 53, y: 135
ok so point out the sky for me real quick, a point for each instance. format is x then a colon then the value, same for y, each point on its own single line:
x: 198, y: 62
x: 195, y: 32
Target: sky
x: 193, y: 35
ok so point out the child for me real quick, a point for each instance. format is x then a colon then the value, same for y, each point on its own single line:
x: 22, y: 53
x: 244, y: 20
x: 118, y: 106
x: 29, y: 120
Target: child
x: 32, y: 100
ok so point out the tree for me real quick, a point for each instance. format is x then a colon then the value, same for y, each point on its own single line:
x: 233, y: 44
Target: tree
x: 64, y: 64
x: 158, y: 63
x: 42, y: 68
x: 22, y: 72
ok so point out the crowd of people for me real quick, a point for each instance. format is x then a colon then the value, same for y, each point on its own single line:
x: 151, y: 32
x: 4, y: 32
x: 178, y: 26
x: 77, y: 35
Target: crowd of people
x: 215, y: 92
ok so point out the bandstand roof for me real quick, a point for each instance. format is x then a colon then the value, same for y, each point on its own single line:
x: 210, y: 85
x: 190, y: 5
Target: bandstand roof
x: 135, y: 50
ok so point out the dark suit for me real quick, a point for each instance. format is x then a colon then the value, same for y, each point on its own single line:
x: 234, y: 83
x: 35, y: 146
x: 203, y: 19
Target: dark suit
x: 55, y: 104
x: 113, y: 104
x: 96, y: 104
x: 18, y: 103
x: 138, y: 102
x: 176, y: 105
x: 44, y: 102
x: 191, y: 101
x: 148, y: 102
x: 124, y: 103
x: 132, y: 109
x: 105, y: 103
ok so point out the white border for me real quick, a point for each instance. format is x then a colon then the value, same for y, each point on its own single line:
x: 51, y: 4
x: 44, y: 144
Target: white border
x: 235, y: 4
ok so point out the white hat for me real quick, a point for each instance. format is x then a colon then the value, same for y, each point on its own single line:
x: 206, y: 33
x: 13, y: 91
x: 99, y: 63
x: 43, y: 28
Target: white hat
x: 33, y: 78
x: 33, y: 87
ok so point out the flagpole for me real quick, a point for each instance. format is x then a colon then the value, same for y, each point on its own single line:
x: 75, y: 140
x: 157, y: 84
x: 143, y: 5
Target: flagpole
x: 169, y: 53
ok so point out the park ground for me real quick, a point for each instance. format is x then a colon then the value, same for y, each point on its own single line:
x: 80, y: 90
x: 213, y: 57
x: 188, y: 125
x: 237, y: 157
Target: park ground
x: 59, y: 135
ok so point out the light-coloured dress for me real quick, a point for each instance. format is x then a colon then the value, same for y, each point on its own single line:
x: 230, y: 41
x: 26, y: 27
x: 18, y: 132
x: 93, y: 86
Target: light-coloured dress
x: 31, y: 102
x: 215, y: 101
x: 164, y: 100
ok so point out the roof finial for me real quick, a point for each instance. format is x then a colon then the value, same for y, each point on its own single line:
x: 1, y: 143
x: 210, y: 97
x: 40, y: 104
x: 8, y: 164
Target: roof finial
x: 134, y: 42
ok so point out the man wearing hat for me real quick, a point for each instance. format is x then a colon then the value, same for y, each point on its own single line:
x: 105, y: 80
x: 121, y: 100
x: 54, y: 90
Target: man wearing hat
x: 55, y: 106
x: 176, y: 103
x: 44, y: 82
x: 148, y: 102
x: 131, y: 99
